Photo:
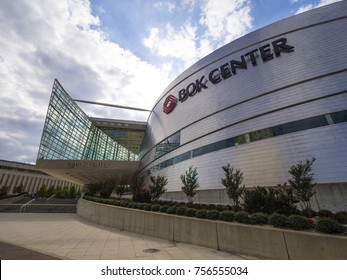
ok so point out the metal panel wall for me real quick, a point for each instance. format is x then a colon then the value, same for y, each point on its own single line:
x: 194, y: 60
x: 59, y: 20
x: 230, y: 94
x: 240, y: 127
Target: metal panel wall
x: 307, y: 82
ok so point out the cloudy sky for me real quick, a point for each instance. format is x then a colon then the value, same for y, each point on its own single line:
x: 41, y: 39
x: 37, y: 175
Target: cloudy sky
x: 122, y: 52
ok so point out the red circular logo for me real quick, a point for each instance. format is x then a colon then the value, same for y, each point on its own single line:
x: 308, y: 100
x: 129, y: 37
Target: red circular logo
x: 169, y: 104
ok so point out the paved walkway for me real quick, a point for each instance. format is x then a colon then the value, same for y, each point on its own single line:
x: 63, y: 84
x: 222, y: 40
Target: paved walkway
x: 68, y: 236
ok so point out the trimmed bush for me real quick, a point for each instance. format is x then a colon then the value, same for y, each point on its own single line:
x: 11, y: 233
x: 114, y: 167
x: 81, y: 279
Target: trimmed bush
x: 325, y: 213
x: 190, y: 212
x: 242, y: 217
x: 227, y: 216
x: 201, y: 214
x: 180, y: 211
x: 163, y: 209
x: 124, y: 204
x: 259, y: 218
x: 328, y: 225
x: 212, y: 215
x: 131, y: 204
x: 298, y: 222
x: 308, y: 213
x: 220, y: 207
x: 147, y: 207
x: 269, y: 200
x: 155, y: 207
x: 211, y: 207
x: 278, y: 220
x: 140, y: 206
x: 171, y: 210
x: 226, y: 207
x: 115, y: 203
x: 142, y: 195
x: 341, y: 217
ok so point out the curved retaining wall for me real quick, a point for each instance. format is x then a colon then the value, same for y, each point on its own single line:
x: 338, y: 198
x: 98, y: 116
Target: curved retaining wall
x: 259, y: 241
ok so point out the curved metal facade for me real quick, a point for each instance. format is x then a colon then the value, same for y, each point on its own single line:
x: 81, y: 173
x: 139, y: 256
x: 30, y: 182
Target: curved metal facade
x: 262, y: 103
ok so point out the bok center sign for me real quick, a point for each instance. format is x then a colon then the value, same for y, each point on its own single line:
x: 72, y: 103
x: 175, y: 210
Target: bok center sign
x: 226, y: 70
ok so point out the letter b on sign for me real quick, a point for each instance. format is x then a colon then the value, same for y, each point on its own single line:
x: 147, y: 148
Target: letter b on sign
x: 169, y: 104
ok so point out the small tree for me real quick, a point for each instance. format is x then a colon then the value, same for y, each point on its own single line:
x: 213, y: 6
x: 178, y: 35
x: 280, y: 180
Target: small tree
x: 233, y: 184
x: 59, y: 191
x: 42, y: 192
x: 106, y: 188
x: 190, y: 183
x: 72, y: 192
x: 4, y: 190
x: 19, y: 189
x: 302, y: 182
x: 121, y: 188
x: 157, y: 188
x: 65, y: 192
x: 50, y: 191
x: 93, y: 189
x: 140, y: 194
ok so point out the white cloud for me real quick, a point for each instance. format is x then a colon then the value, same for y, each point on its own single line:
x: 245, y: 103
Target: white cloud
x: 229, y: 19
x: 293, y: 1
x: 178, y: 44
x: 220, y: 22
x: 168, y: 6
x: 311, y: 6
x: 304, y: 8
x: 43, y: 40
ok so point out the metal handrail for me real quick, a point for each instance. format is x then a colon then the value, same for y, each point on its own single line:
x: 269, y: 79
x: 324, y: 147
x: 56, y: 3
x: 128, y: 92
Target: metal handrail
x: 24, y: 206
x: 50, y: 198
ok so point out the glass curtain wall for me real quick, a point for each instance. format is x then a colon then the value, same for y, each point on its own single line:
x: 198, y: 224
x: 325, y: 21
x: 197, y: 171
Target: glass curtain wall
x: 69, y: 134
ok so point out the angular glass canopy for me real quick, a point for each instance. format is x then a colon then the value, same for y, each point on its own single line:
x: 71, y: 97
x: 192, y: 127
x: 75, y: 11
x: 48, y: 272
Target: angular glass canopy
x: 85, y: 150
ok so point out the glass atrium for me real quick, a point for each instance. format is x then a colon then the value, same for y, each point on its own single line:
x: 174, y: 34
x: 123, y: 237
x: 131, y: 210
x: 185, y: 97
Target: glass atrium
x: 69, y: 134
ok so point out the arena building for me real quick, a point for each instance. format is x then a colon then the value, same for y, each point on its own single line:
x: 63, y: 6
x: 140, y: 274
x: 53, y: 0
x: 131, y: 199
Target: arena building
x: 262, y: 103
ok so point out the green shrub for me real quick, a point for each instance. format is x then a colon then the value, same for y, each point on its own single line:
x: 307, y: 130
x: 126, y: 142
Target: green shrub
x: 269, y: 200
x: 328, y: 225
x: 140, y: 206
x: 147, y: 207
x: 308, y: 213
x: 298, y: 222
x: 212, y: 215
x: 325, y: 213
x: 227, y: 216
x: 242, y: 217
x: 164, y: 208
x: 171, y: 210
x: 155, y: 207
x: 341, y: 217
x: 278, y: 220
x: 131, y: 204
x: 125, y: 204
x: 220, y: 207
x: 199, y: 206
x: 201, y: 214
x: 135, y: 205
x: 259, y: 218
x: 116, y: 203
x: 211, y: 206
x: 190, y: 212
x: 142, y: 195
x: 180, y: 211
x: 226, y: 207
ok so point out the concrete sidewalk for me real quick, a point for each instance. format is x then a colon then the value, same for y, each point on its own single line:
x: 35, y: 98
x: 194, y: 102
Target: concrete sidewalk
x: 68, y: 236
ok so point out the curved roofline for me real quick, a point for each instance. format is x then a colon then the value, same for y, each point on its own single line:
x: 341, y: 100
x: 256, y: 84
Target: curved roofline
x: 239, y: 43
